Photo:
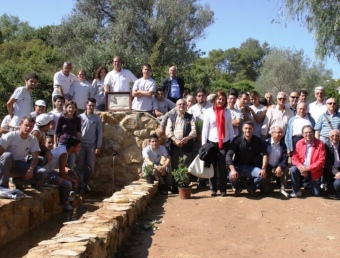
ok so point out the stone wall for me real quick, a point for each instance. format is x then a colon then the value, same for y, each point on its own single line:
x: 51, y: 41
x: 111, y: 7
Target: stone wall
x: 17, y: 217
x: 124, y: 134
x: 99, y: 233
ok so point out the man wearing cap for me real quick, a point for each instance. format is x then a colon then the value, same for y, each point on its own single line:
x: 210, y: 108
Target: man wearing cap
x: 41, y: 127
x: 20, y: 103
x: 39, y: 108
x: 14, y: 148
x: 119, y: 79
x: 62, y: 81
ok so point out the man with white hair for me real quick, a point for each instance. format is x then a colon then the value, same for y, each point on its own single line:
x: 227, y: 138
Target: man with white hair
x: 278, y: 115
x: 318, y: 107
x: 173, y: 86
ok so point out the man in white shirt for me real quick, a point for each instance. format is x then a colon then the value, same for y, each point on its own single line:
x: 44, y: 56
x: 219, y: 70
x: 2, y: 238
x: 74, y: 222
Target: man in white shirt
x: 119, y: 79
x: 14, y: 148
x: 318, y: 107
x: 277, y: 115
x: 62, y: 81
x: 20, y: 103
x: 143, y: 91
x: 236, y: 114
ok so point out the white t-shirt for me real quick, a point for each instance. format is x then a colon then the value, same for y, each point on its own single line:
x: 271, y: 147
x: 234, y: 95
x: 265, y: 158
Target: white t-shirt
x: 163, y: 106
x: 56, y: 115
x: 257, y: 110
x: 235, y: 114
x: 80, y: 93
x: 154, y: 155
x: 64, y: 81
x: 143, y: 103
x: 22, y: 107
x: 198, y: 111
x: 56, y: 153
x: 120, y: 81
x: 20, y: 148
x: 4, y: 123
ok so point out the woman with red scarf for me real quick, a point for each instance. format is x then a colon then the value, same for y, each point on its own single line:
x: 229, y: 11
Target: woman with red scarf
x: 218, y: 129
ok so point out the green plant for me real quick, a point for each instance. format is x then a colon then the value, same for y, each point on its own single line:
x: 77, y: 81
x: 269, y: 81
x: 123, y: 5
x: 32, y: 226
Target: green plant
x: 199, y: 125
x: 148, y: 170
x: 181, y: 174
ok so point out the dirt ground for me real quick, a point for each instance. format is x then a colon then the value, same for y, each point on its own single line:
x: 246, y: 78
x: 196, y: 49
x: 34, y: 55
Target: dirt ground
x: 263, y: 226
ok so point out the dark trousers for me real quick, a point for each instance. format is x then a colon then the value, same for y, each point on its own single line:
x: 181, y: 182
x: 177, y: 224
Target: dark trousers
x: 219, y: 180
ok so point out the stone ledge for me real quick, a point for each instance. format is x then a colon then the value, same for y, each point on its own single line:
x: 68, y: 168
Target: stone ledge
x: 18, y: 217
x: 100, y: 233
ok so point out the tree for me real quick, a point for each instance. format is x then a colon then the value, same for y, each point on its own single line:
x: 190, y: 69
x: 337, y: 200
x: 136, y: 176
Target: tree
x: 322, y: 18
x: 288, y: 69
x: 160, y: 32
x: 12, y: 28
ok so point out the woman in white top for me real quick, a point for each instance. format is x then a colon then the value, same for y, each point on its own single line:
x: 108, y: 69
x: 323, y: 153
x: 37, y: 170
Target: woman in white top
x: 218, y: 129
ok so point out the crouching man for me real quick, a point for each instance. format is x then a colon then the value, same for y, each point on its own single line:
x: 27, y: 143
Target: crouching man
x: 277, y: 161
x: 61, y: 175
x: 14, y: 148
x: 153, y: 154
x: 244, y: 160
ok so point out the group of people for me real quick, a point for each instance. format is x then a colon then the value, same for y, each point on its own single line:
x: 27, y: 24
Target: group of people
x: 249, y: 139
x: 57, y: 147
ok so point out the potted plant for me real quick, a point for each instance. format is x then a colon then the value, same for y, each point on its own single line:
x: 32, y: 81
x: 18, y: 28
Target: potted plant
x: 181, y: 176
x: 199, y: 125
x: 148, y: 173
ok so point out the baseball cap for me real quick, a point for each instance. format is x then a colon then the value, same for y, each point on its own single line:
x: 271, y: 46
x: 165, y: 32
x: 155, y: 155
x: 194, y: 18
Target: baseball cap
x: 40, y: 102
x: 211, y: 97
x: 43, y: 119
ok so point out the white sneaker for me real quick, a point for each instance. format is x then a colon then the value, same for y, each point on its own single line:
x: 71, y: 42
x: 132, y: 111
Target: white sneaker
x: 282, y: 191
x: 294, y: 195
x: 72, y: 196
x: 67, y: 207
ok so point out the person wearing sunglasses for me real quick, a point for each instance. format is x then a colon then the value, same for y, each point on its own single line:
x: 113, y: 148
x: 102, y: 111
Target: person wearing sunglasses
x: 278, y: 115
x: 318, y: 107
x: 327, y: 121
x: 293, y: 101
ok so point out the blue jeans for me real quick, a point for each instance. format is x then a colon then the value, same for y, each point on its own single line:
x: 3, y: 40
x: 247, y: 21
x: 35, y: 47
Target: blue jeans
x: 296, y: 182
x: 18, y: 168
x: 336, y: 185
x: 249, y: 172
x: 65, y: 185
x: 85, y: 163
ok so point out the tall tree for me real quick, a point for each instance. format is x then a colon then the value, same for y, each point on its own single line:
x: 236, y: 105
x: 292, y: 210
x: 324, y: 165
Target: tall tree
x: 288, y: 69
x: 322, y: 18
x: 161, y: 32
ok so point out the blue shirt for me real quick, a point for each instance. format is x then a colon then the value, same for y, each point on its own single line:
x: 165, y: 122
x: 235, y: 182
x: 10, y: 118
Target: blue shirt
x: 174, y: 90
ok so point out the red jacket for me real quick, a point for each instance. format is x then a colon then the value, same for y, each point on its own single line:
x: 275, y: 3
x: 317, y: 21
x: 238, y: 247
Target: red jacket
x: 318, y: 158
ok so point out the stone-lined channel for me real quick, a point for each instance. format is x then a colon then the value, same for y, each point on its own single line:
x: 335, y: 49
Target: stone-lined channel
x: 20, y: 246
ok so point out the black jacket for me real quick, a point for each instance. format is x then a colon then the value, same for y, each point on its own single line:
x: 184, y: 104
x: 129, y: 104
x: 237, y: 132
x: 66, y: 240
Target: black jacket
x: 283, y: 162
x: 166, y: 84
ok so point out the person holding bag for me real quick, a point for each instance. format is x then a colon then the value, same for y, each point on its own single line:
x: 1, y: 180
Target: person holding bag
x: 218, y: 129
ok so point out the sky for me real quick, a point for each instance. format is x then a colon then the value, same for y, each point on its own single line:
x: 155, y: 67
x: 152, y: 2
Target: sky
x: 235, y: 22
